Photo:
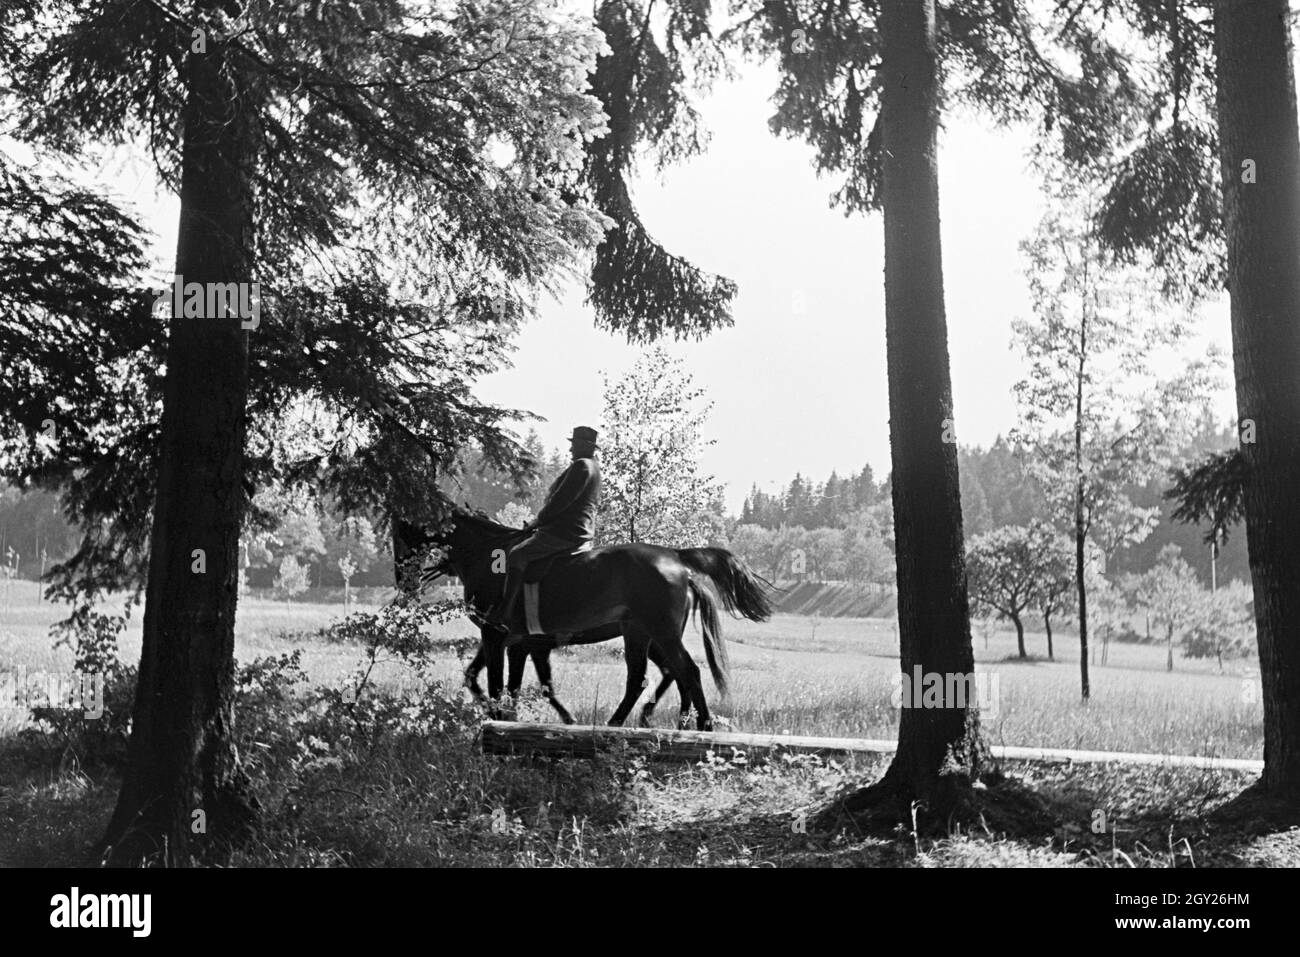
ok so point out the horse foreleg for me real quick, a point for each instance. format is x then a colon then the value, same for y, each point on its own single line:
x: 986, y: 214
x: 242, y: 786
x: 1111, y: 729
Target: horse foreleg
x: 473, y: 670
x: 517, y: 658
x: 493, y: 647
x: 542, y: 665
x: 495, y: 650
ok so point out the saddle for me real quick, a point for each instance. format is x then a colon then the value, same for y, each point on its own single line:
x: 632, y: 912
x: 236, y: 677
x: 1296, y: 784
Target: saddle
x: 539, y: 569
x: 533, y: 577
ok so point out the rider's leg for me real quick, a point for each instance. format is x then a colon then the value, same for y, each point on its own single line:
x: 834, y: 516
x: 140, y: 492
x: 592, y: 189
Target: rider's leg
x: 516, y: 561
x: 515, y: 565
x: 536, y: 546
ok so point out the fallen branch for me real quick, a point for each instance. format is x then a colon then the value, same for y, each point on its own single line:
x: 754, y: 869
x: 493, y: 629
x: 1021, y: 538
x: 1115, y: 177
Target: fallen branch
x: 662, y: 744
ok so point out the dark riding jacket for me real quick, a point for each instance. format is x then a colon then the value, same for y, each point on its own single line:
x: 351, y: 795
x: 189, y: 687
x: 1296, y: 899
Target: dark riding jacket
x: 570, y: 509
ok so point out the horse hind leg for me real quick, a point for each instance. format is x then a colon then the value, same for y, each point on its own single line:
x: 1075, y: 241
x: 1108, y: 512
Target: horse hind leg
x: 687, y: 673
x: 690, y: 691
x: 683, y: 708
x: 666, y: 682
x: 635, y: 649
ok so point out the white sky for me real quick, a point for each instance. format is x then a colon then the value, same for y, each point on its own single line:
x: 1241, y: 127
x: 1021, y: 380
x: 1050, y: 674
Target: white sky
x: 808, y: 392
x: 791, y: 392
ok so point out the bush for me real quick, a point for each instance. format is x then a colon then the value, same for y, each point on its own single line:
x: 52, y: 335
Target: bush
x: 282, y: 732
x: 82, y: 739
x: 391, y: 773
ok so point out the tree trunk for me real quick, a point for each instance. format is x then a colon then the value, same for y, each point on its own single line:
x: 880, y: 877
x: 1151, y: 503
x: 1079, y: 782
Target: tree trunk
x: 406, y: 575
x: 1047, y: 624
x: 1020, y: 635
x: 1080, y: 530
x: 1169, y: 648
x: 1257, y: 122
x: 400, y: 577
x: 940, y: 750
x: 182, y: 776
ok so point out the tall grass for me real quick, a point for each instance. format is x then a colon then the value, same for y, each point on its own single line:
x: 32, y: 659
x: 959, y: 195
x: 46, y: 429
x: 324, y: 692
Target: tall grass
x: 400, y: 780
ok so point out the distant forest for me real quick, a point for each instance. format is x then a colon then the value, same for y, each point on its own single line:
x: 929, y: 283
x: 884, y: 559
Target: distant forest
x: 995, y: 492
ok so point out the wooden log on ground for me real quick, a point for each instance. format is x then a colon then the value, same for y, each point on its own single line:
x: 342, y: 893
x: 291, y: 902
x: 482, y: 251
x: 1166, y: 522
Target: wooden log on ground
x: 660, y: 744
x: 663, y: 744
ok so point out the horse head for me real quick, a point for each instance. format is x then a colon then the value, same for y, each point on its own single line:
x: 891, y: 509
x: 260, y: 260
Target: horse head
x: 465, y: 542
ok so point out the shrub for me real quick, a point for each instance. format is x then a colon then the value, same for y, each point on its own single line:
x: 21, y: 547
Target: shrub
x: 81, y: 739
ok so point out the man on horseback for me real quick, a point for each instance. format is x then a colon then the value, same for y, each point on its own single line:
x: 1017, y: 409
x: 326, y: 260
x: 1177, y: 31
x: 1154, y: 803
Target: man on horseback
x: 566, y: 522
x: 647, y: 594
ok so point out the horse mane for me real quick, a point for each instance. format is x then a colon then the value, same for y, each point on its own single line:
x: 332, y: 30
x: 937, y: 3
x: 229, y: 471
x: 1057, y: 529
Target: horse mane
x: 474, y: 516
x: 414, y: 535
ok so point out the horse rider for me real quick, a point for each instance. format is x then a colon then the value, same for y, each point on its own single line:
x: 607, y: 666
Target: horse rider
x: 566, y: 522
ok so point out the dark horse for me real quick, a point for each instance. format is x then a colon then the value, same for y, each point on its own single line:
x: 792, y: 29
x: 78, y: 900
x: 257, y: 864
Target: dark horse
x: 643, y: 592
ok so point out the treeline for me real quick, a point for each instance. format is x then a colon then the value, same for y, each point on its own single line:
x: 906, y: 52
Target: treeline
x: 838, y: 530
x: 997, y: 491
x: 297, y: 541
x: 842, y: 526
x: 829, y: 504
x: 860, y: 553
x: 33, y: 532
x: 475, y: 482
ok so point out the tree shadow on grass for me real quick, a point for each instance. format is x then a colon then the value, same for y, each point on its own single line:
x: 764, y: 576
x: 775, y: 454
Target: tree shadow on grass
x: 1109, y: 815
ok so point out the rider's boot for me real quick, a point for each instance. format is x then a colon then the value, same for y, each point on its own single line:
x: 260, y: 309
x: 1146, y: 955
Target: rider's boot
x: 499, y: 614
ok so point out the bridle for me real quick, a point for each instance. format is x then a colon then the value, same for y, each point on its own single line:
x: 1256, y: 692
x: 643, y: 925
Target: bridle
x: 490, y: 540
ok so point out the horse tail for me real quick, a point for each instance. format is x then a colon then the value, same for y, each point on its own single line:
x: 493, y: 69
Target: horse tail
x: 715, y: 649
x: 742, y: 591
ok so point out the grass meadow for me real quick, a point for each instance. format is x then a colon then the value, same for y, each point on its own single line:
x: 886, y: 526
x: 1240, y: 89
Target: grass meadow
x: 438, y: 801
x: 800, y: 675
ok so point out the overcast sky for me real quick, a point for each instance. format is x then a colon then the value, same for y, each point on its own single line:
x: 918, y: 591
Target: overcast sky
x: 791, y: 391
